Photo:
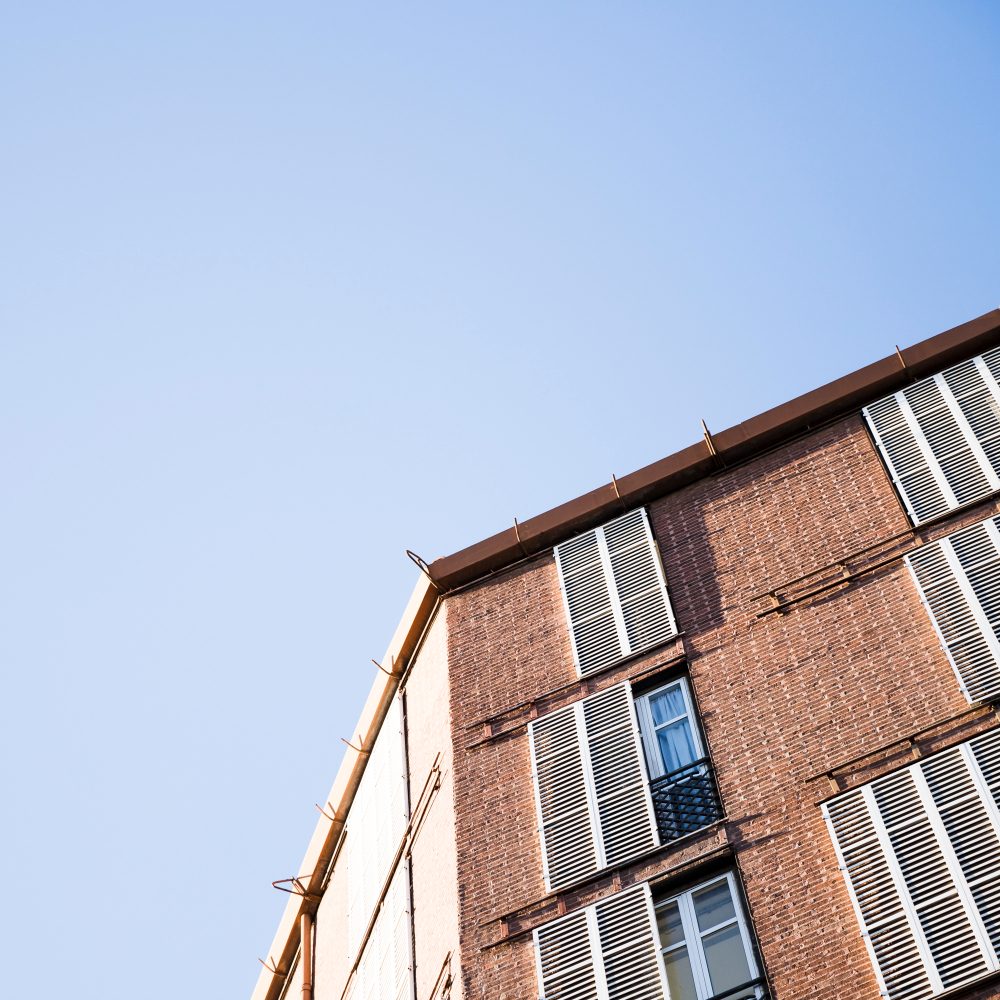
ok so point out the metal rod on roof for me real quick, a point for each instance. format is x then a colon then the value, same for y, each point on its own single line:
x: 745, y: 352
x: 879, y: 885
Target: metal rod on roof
x: 708, y: 440
x: 517, y: 535
x: 420, y: 564
x: 614, y: 483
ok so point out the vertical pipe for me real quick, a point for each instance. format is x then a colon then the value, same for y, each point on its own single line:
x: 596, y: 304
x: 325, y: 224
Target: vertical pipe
x: 305, y: 936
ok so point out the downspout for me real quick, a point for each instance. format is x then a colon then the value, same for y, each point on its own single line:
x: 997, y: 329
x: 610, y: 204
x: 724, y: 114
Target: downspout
x: 409, y: 803
x: 306, y: 939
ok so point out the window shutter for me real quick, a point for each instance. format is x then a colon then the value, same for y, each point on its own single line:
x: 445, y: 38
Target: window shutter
x: 608, y: 951
x: 375, y: 825
x: 591, y: 786
x: 614, y: 592
x: 384, y: 972
x: 565, y: 815
x: 940, y: 437
x: 920, y: 852
x: 958, y: 578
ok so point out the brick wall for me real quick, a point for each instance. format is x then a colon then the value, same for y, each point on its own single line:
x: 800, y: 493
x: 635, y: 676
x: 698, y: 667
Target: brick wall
x: 783, y: 697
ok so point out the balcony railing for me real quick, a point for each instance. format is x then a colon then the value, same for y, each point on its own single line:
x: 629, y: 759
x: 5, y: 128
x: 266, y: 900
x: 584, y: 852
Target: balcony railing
x: 685, y: 800
x: 754, y: 988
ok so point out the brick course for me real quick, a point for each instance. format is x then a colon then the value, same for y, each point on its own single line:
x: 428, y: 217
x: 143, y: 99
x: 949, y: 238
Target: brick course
x: 782, y: 698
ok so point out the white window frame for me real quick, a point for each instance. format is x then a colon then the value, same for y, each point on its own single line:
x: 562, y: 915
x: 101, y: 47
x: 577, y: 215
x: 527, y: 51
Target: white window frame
x: 693, y: 935
x: 647, y: 726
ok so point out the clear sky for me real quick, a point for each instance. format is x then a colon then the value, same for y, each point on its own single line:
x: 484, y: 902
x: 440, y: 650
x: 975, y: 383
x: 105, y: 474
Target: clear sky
x: 286, y: 289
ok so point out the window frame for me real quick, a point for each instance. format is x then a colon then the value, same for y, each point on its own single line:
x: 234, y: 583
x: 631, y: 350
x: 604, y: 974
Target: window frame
x: 693, y: 935
x: 656, y: 768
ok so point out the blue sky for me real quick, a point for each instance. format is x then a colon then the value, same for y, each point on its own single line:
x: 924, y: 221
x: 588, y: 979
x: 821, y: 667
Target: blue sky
x: 288, y: 289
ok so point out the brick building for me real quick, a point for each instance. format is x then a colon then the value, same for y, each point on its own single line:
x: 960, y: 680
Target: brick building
x: 721, y: 728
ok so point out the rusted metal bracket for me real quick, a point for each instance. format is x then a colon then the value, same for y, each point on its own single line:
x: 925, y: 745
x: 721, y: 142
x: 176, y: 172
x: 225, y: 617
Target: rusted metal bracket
x: 420, y: 564
x: 359, y: 749
x: 331, y: 815
x: 299, y: 890
x: 391, y: 672
x: 272, y: 968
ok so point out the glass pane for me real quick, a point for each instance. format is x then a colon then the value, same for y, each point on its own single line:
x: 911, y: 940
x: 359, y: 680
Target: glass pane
x: 713, y: 905
x: 666, y: 705
x: 668, y: 919
x: 726, y: 958
x: 676, y: 745
x: 680, y: 978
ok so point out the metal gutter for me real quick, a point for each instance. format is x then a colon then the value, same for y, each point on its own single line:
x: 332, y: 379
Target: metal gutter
x: 323, y: 845
x: 717, y: 451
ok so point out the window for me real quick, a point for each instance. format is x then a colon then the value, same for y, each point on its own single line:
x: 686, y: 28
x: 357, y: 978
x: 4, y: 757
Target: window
x: 707, y: 948
x: 604, y: 952
x: 940, y: 438
x: 920, y: 852
x: 596, y: 804
x: 685, y: 797
x: 614, y: 592
x: 958, y: 578
x: 591, y: 789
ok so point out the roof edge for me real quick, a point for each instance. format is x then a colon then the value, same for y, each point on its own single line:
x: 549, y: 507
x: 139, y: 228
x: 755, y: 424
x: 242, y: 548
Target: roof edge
x: 312, y: 871
x: 731, y: 445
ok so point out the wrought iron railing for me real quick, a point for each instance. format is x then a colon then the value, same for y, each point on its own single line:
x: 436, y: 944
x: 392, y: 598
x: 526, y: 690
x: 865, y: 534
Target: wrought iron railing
x: 752, y: 988
x: 685, y: 800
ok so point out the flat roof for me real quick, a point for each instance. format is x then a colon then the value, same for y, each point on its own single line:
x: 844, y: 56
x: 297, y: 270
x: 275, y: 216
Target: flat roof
x: 715, y: 452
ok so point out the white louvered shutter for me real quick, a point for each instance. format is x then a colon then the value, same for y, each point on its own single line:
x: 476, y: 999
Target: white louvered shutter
x: 591, y: 786
x: 608, y: 951
x: 614, y: 592
x: 375, y: 825
x: 920, y: 852
x: 958, y: 578
x: 384, y: 971
x: 940, y: 437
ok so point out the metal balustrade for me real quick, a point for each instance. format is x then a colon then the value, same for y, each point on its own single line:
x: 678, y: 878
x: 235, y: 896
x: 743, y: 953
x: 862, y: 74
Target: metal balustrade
x: 753, y: 988
x: 685, y: 800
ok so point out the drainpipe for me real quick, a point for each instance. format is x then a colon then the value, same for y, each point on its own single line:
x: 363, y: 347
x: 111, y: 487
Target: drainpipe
x: 306, y: 938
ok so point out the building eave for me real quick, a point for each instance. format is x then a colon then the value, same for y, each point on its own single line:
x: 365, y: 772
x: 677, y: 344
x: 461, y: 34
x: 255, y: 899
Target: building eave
x: 313, y: 868
x: 735, y: 444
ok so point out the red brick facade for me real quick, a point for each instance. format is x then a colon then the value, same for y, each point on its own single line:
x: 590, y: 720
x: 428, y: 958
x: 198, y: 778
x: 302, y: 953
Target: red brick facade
x: 848, y: 665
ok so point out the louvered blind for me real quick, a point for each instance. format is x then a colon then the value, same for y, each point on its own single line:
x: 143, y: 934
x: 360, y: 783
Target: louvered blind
x: 920, y: 851
x: 959, y: 582
x: 375, y: 825
x: 940, y: 437
x: 591, y: 786
x: 608, y: 951
x: 384, y: 972
x: 614, y: 592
